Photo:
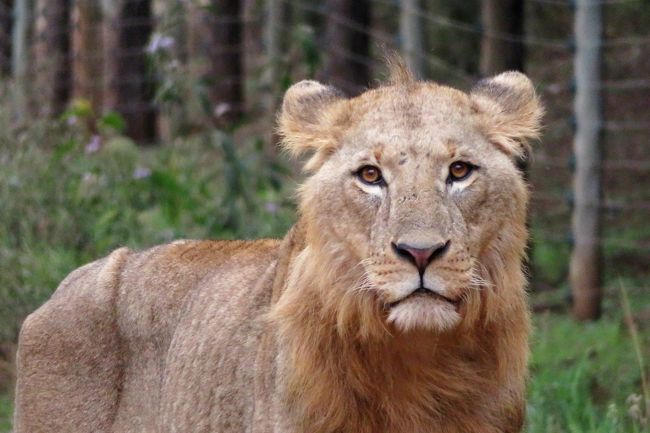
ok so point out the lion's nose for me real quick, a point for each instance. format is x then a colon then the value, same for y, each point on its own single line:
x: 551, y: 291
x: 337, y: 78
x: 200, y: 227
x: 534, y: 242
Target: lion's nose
x: 421, y: 257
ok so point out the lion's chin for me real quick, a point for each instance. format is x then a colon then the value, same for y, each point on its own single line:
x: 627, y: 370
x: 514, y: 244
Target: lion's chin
x: 424, y: 313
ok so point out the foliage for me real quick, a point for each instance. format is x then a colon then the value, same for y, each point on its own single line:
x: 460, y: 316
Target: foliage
x: 584, y: 378
x: 5, y: 413
x: 70, y: 197
x: 550, y: 259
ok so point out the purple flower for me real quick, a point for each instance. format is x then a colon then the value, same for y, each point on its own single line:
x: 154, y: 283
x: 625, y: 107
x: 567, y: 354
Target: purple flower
x: 94, y: 144
x: 141, y: 173
x: 160, y: 42
x: 221, y: 109
x: 271, y: 207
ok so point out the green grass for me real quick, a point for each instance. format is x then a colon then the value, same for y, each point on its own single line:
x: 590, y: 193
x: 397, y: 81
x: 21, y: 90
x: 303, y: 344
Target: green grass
x: 582, y: 376
x: 65, y: 203
x: 5, y: 413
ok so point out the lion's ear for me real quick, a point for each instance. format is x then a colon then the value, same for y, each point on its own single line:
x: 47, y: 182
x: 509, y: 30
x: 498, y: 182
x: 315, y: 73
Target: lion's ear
x: 512, y: 111
x: 306, y: 121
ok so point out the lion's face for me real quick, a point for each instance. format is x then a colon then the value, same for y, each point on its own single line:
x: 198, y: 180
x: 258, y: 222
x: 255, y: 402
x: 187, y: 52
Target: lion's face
x: 414, y: 191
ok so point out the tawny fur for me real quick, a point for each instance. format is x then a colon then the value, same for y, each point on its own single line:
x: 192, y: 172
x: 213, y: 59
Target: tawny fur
x: 317, y: 332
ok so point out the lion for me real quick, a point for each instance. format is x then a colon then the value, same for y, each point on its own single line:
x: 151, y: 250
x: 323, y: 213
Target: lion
x: 396, y: 303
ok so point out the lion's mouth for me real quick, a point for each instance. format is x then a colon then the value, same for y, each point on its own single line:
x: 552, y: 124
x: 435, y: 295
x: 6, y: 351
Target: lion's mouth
x: 426, y: 293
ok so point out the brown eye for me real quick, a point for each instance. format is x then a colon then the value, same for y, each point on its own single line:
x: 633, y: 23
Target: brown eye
x: 370, y: 175
x: 459, y: 170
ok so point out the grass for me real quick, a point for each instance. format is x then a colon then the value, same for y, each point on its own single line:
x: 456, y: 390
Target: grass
x: 69, y: 197
x: 5, y: 413
x: 582, y: 376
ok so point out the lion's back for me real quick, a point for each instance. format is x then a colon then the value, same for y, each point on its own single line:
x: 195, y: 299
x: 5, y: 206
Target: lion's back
x: 110, y: 337
x: 156, y: 283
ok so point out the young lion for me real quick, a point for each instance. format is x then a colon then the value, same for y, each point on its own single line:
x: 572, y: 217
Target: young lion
x: 395, y: 304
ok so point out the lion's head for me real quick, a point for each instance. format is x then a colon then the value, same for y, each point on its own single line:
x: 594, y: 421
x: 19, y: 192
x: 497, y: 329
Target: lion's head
x: 413, y: 205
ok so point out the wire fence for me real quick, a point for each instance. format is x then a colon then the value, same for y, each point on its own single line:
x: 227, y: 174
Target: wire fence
x: 139, y: 57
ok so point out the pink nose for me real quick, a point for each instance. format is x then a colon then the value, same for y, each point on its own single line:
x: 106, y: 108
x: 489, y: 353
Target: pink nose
x: 421, y: 257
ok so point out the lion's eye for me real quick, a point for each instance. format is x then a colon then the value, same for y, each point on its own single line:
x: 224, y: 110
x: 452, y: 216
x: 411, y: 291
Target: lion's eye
x: 370, y: 174
x: 460, y: 170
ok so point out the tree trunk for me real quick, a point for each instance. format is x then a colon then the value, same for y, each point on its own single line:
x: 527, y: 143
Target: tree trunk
x: 171, y: 20
x: 277, y: 19
x: 20, y: 60
x: 216, y: 51
x: 128, y: 84
x: 501, y: 45
x: 347, y: 44
x: 6, y: 24
x: 87, y: 58
x: 410, y: 29
x: 226, y: 61
x: 51, y: 56
x: 586, y: 261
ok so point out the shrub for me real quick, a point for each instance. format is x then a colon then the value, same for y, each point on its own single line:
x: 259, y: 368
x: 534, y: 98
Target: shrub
x: 69, y: 196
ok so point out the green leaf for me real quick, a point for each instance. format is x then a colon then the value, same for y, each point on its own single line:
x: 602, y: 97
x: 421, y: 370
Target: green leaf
x: 114, y: 121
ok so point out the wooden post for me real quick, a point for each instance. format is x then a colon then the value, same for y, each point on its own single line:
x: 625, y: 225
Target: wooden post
x: 347, y: 44
x: 411, y: 34
x: 273, y: 33
x: 87, y: 52
x: 498, y: 53
x: 215, y: 53
x: 20, y: 56
x: 170, y: 17
x: 6, y: 24
x: 585, y: 267
x: 128, y: 89
x: 198, y: 48
x: 51, y: 56
x: 226, y: 61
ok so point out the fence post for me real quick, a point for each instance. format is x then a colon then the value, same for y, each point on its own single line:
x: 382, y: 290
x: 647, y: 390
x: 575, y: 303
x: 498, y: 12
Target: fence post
x: 20, y: 56
x: 226, y: 60
x: 585, y: 266
x: 128, y: 87
x: 87, y: 52
x: 51, y: 56
x: 347, y: 44
x: 410, y: 29
x: 6, y: 23
x: 273, y: 35
x: 500, y: 17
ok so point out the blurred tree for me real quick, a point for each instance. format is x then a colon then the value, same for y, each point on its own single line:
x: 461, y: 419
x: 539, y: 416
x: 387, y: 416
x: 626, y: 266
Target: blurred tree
x: 6, y: 10
x: 447, y: 44
x: 216, y: 38
x: 502, y: 48
x: 87, y: 52
x: 585, y: 273
x: 347, y: 44
x: 167, y: 55
x: 225, y: 63
x: 128, y: 82
x: 51, y: 56
x: 278, y: 16
x: 410, y: 29
x: 20, y: 59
